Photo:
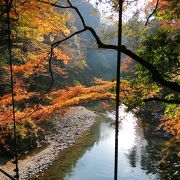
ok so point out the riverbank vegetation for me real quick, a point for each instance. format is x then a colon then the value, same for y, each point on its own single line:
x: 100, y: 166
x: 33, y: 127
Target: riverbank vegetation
x: 50, y: 70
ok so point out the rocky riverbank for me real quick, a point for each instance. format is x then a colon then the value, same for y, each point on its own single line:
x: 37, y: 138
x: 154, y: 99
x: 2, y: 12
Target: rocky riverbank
x: 64, y: 132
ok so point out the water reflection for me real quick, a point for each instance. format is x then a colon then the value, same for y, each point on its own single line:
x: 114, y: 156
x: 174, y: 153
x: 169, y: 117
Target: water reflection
x: 95, y: 160
x: 127, y: 129
x: 133, y: 157
x: 68, y: 159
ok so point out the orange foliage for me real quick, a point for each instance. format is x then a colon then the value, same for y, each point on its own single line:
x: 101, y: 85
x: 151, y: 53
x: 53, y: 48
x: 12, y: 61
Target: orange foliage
x: 171, y: 124
x: 126, y: 65
x: 34, y: 65
x: 36, y: 20
x: 61, y: 56
x: 106, y: 106
x: 38, y: 64
x: 168, y: 11
x: 59, y: 99
x: 63, y: 98
x: 41, y: 17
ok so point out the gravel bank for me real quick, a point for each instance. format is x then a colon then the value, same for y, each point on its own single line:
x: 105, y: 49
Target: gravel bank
x: 67, y: 129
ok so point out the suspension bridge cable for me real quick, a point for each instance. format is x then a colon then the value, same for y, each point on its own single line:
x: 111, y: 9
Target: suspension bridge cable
x: 118, y: 71
x: 8, y: 9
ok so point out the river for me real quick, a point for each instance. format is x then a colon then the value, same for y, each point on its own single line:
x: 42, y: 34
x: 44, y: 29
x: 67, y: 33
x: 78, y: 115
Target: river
x: 92, y: 158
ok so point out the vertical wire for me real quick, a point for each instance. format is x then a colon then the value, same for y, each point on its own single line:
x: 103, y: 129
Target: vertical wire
x: 8, y: 8
x: 118, y: 89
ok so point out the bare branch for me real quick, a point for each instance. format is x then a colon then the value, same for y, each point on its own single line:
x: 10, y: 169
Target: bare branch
x: 156, y: 76
x: 157, y: 3
x: 54, y: 45
x: 67, y: 7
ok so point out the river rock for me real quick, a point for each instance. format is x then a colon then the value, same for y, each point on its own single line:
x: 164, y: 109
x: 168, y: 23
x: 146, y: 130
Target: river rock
x: 66, y: 130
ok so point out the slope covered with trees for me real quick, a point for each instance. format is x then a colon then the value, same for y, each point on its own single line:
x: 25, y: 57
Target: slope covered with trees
x: 34, y: 26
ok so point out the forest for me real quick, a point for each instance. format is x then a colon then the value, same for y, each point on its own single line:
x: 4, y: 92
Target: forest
x: 59, y: 54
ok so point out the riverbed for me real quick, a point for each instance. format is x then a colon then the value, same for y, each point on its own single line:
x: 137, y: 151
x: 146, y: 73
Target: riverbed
x: 61, y: 133
x: 92, y: 158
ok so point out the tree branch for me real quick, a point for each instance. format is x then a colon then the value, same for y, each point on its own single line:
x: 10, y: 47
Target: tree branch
x: 8, y: 175
x: 156, y: 76
x: 157, y: 3
x: 169, y: 101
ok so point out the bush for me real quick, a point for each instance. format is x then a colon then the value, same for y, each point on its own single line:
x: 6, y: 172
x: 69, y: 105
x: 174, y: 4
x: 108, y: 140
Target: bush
x: 28, y: 137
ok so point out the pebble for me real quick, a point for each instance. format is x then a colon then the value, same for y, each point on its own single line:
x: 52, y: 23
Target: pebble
x: 75, y: 122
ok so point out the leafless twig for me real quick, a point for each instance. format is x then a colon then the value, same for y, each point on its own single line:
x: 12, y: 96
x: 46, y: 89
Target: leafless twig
x: 157, y: 3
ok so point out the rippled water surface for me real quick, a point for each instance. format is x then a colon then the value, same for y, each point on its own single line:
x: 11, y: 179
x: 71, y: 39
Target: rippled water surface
x: 93, y: 156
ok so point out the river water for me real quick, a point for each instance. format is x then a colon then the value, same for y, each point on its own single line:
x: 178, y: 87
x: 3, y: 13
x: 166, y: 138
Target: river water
x: 92, y: 158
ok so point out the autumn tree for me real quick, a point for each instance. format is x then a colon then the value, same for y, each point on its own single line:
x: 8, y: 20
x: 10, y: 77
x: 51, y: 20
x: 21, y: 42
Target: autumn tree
x: 34, y: 27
